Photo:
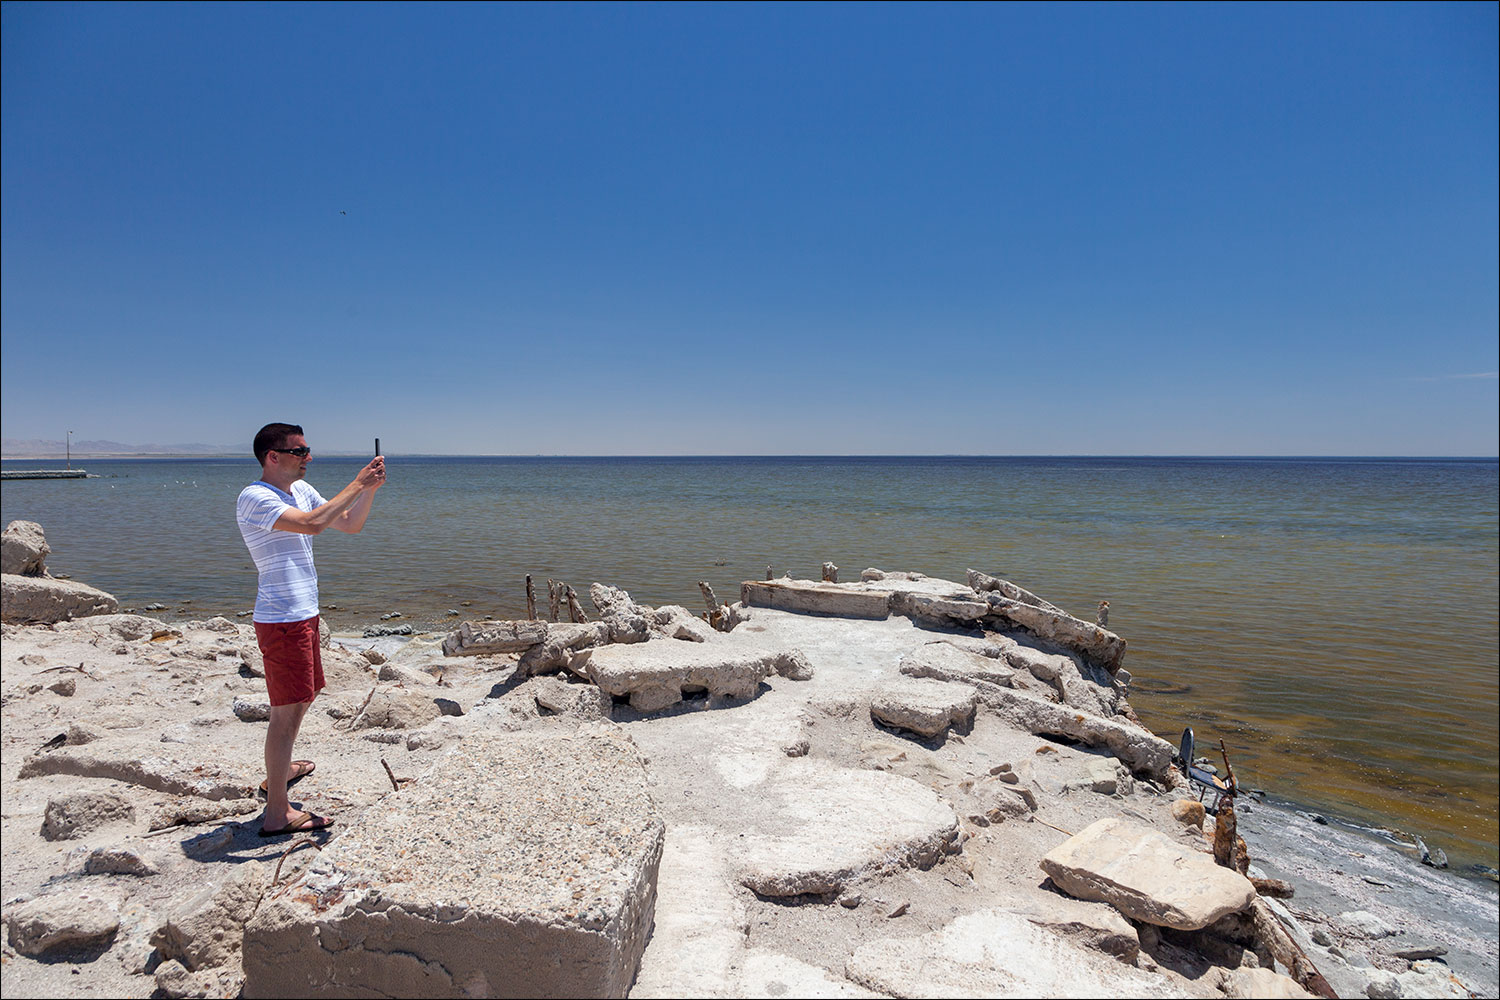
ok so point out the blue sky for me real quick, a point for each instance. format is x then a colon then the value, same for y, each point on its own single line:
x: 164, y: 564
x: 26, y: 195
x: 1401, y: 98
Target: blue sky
x: 755, y: 229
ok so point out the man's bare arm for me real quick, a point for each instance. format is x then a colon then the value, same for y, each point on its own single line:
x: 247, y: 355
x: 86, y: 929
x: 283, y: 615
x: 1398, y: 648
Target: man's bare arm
x: 316, y: 521
x: 352, y: 520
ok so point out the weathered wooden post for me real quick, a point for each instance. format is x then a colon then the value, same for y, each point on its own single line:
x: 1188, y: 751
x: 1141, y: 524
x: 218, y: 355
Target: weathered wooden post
x: 554, y: 599
x: 575, y: 610
x: 530, y: 600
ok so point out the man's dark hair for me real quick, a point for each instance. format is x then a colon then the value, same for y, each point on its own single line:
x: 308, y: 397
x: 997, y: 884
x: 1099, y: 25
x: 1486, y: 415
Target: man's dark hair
x: 273, y: 436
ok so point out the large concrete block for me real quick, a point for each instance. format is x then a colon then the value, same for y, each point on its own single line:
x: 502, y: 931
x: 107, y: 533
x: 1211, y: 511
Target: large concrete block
x: 843, y: 600
x: 655, y: 674
x: 43, y: 600
x: 521, y: 864
x: 1145, y: 876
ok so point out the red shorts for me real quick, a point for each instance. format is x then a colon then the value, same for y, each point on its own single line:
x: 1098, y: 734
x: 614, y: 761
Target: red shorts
x: 294, y: 659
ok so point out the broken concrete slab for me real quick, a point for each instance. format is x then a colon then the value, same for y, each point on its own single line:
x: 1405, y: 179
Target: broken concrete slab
x: 1094, y: 925
x: 520, y: 864
x: 487, y: 637
x: 678, y: 622
x: 1091, y: 641
x: 581, y: 701
x: 984, y: 583
x: 43, y: 600
x: 74, y: 814
x: 989, y: 953
x: 1145, y: 876
x: 398, y: 708
x: 85, y: 918
x: 946, y: 661
x: 1141, y: 751
x: 809, y: 597
x: 923, y: 706
x: 826, y: 826
x: 655, y: 674
x: 144, y: 764
x: 205, y: 929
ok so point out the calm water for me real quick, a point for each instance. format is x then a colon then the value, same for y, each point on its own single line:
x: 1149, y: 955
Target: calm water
x: 1334, y: 621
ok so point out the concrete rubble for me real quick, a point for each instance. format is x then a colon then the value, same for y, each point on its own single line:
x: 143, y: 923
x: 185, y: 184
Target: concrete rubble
x: 542, y: 884
x: 899, y: 786
x: 29, y: 594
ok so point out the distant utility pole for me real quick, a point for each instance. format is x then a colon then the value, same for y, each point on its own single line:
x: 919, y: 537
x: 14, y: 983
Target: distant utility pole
x: 70, y: 449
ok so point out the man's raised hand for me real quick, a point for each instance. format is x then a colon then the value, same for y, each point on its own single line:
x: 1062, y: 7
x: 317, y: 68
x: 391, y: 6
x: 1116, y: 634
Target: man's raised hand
x: 372, y: 476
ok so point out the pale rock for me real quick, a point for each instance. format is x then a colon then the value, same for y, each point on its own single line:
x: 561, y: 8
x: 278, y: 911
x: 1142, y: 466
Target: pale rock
x: 878, y: 574
x: 808, y: 597
x: 1141, y: 751
x: 394, y: 673
x: 1364, y: 924
x: 74, y: 814
x: 148, y: 764
x: 994, y: 800
x: 80, y: 733
x: 373, y: 656
x: 129, y: 627
x: 826, y: 827
x: 1432, y: 979
x: 991, y: 953
x: 655, y: 674
x: 1146, y: 876
x: 958, y: 607
x: 677, y: 622
x: 1263, y: 984
x: 66, y: 919
x: 325, y: 634
x: 540, y: 884
x: 581, y: 701
x: 1189, y: 812
x: 117, y: 859
x: 477, y: 638
x: 174, y: 981
x: 43, y: 600
x: 984, y: 583
x: 204, y: 929
x: 251, y: 709
x: 397, y: 708
x: 946, y: 661
x: 923, y: 706
x: 24, y: 549
x: 1095, y: 925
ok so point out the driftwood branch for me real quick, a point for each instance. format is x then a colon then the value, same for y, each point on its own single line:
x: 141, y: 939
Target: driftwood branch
x: 354, y: 719
x: 390, y: 774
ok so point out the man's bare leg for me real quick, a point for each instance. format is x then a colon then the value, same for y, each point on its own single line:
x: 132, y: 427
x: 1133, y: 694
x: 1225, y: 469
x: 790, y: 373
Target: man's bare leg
x: 286, y: 720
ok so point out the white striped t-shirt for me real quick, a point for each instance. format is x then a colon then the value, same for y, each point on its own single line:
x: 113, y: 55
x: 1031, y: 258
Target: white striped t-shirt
x: 288, y: 590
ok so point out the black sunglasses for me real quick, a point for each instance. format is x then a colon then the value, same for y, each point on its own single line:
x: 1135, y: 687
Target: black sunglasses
x: 301, y: 452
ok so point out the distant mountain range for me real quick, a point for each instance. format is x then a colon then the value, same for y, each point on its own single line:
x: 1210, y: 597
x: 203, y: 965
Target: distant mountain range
x: 37, y: 448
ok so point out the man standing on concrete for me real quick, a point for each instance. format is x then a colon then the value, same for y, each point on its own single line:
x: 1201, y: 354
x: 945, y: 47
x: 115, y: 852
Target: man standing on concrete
x: 276, y: 515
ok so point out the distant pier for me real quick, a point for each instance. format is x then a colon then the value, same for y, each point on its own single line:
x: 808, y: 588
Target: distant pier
x: 44, y: 474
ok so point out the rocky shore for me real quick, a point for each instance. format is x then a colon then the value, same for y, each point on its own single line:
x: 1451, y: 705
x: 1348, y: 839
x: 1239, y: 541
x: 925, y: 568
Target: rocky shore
x: 900, y: 786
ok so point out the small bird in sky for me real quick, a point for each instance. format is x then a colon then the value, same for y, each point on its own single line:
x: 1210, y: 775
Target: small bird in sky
x: 342, y: 212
